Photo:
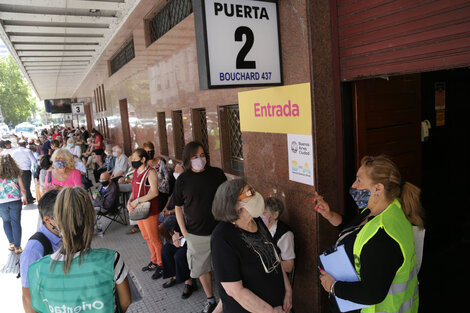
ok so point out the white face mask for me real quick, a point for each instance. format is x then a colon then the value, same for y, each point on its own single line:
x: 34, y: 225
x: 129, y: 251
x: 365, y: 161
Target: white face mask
x: 255, y: 206
x: 198, y: 164
x: 176, y: 175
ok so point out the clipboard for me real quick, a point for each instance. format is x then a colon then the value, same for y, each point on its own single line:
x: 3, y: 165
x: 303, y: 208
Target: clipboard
x: 335, y: 262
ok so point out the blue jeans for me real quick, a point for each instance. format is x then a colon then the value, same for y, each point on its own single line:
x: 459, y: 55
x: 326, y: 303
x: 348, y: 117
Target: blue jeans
x: 10, y: 213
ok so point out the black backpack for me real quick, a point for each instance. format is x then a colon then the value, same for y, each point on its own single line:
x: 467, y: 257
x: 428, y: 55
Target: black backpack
x: 45, y: 242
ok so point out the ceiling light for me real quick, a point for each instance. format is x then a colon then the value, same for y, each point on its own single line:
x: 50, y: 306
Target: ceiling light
x: 94, y: 10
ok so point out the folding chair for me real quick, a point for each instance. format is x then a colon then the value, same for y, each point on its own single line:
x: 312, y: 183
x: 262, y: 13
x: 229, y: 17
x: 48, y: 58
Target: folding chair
x: 124, y: 194
x: 115, y: 216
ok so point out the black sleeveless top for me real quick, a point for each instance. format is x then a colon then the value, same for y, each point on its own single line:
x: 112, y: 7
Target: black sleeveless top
x: 282, y: 228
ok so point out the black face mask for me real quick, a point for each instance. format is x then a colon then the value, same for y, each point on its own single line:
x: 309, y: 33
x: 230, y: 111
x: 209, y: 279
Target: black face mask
x: 105, y: 183
x: 136, y: 164
x: 151, y: 154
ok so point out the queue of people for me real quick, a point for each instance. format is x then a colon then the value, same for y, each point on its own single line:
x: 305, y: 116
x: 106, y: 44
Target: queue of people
x: 199, y: 225
x: 53, y: 160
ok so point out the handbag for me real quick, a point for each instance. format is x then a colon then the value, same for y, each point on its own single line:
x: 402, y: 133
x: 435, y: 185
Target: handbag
x: 141, y: 212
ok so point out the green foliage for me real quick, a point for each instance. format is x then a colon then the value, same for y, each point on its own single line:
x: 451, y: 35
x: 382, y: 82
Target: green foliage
x: 16, y: 100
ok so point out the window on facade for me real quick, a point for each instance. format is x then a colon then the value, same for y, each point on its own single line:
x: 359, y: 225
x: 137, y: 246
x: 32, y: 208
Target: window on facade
x: 178, y: 133
x: 96, y: 100
x: 103, y: 98
x: 199, y: 122
x: 161, y: 120
x: 100, y: 100
x: 170, y: 15
x: 122, y: 57
x: 106, y: 128
x: 231, y: 135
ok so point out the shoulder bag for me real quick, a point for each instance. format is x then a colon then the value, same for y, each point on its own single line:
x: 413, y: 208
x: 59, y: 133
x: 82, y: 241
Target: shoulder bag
x: 141, y: 212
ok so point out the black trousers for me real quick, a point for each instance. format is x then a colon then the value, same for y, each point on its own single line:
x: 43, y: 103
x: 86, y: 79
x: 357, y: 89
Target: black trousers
x: 26, y: 178
x: 175, y: 263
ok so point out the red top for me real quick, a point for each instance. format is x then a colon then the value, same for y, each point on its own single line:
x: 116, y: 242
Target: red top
x: 136, y: 180
x: 54, y: 136
x: 99, y: 141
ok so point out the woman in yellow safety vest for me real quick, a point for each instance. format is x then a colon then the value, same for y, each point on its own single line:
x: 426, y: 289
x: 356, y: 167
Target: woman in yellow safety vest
x: 379, y: 241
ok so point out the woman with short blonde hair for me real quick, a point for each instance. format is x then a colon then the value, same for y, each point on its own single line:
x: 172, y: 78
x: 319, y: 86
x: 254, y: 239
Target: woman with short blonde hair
x: 63, y: 173
x: 97, y: 277
x: 65, y: 155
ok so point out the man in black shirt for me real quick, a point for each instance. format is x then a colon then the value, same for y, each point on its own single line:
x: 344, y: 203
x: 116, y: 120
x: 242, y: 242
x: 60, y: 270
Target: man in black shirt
x: 195, y: 190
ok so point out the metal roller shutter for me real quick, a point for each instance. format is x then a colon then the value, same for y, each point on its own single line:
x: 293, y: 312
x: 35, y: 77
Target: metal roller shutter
x: 388, y: 37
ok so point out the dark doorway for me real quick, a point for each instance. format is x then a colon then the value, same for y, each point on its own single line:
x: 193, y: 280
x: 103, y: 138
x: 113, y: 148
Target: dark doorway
x: 126, y: 133
x: 446, y: 185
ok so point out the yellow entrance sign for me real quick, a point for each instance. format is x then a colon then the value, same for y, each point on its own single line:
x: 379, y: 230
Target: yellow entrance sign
x: 285, y: 110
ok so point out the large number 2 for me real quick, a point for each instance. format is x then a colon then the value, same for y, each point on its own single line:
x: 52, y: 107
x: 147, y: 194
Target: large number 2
x: 250, y: 39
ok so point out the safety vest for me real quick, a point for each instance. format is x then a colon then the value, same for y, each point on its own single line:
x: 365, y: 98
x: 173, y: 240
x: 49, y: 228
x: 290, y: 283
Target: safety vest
x: 86, y: 288
x: 403, y: 293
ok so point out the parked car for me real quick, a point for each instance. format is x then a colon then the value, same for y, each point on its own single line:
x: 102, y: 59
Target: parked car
x: 26, y: 130
x: 4, y: 130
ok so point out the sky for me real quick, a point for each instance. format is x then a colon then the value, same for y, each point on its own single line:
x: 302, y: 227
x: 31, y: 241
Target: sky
x: 3, y: 49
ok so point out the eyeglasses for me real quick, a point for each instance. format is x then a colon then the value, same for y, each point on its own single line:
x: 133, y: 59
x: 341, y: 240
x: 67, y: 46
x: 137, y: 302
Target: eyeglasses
x: 249, y: 193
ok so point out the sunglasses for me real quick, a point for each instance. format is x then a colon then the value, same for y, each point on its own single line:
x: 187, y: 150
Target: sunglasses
x: 249, y: 193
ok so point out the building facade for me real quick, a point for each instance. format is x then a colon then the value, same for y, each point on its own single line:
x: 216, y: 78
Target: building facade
x: 374, y: 67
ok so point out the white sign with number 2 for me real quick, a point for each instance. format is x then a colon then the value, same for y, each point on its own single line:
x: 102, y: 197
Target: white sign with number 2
x: 243, y: 42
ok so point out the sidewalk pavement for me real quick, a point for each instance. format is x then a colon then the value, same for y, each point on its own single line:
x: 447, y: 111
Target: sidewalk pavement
x: 135, y: 253
x: 134, y: 250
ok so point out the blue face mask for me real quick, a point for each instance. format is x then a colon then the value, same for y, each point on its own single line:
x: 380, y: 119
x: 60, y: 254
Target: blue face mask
x: 361, y: 197
x: 60, y: 164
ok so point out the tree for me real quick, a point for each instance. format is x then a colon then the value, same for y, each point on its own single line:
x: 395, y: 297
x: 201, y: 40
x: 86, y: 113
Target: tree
x: 16, y: 100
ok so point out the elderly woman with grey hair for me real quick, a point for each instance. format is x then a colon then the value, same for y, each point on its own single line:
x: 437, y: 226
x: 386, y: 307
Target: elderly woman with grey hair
x: 281, y: 233
x: 246, y: 261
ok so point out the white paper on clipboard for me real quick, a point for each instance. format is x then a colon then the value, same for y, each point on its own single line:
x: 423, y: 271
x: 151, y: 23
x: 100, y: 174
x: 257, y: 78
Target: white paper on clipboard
x: 337, y: 264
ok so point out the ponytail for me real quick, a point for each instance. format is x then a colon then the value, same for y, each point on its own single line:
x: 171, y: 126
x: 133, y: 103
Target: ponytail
x: 411, y: 204
x: 382, y: 169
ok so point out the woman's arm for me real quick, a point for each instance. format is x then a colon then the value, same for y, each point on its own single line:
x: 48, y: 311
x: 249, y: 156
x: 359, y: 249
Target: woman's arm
x: 124, y: 295
x: 22, y: 190
x: 26, y: 297
x: 323, y: 208
x: 287, y: 304
x: 380, y: 259
x: 180, y: 220
x: 287, y: 265
x: 129, y: 203
x: 286, y: 245
x: 247, y: 299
